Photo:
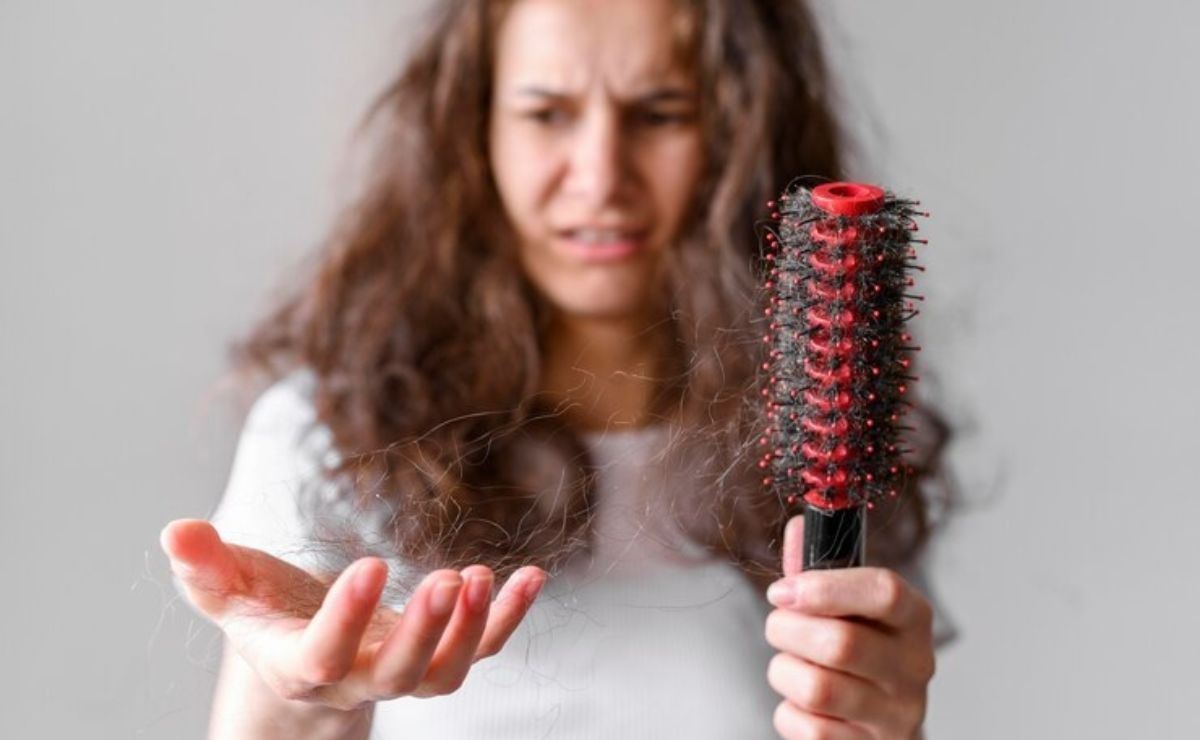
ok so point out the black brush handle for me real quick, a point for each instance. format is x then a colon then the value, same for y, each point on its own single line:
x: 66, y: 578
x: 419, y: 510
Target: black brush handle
x: 834, y: 538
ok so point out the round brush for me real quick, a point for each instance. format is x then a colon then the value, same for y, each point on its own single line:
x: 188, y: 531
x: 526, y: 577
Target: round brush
x: 838, y: 259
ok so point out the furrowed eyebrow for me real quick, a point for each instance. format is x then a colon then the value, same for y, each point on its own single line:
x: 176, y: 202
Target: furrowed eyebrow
x: 667, y: 95
x: 662, y: 95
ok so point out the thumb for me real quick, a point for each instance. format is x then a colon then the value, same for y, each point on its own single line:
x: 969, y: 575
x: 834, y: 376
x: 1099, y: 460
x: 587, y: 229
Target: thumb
x: 205, y: 566
x: 793, y: 546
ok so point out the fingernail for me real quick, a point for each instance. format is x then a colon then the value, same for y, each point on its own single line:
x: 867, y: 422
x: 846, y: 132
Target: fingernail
x: 516, y: 585
x: 533, y: 586
x: 180, y: 567
x: 781, y: 594
x: 364, y: 584
x: 479, y: 592
x: 441, y: 601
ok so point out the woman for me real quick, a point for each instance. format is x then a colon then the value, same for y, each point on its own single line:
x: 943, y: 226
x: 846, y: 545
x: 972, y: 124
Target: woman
x: 526, y: 356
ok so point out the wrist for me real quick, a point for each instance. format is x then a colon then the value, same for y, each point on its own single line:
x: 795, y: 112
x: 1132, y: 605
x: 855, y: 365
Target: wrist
x: 343, y: 724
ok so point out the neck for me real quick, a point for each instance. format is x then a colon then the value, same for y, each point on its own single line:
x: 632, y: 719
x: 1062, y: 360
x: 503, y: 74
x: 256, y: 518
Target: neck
x: 603, y: 373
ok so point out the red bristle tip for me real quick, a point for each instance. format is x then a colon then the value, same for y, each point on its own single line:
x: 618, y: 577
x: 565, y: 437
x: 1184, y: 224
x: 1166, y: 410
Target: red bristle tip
x: 841, y: 263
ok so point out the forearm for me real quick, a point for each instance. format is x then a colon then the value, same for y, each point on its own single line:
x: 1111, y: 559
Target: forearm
x: 245, y: 707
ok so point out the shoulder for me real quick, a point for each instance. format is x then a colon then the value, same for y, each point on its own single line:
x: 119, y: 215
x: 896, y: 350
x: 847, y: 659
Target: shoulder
x: 283, y: 496
x: 285, y: 405
x: 281, y: 458
x: 283, y: 422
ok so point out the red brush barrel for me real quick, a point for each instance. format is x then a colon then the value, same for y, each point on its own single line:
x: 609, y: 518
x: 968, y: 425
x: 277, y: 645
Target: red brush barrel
x: 836, y: 368
x: 832, y: 283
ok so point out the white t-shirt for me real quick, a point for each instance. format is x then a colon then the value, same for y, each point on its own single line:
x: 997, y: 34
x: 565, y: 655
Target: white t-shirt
x: 643, y: 638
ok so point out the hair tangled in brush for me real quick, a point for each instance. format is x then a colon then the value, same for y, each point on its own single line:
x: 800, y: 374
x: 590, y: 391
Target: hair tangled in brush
x: 838, y: 361
x: 425, y: 340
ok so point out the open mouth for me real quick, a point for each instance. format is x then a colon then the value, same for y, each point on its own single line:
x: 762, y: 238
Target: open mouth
x: 596, y: 244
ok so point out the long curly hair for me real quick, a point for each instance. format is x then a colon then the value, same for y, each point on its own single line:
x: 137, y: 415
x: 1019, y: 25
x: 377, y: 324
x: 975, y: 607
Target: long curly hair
x: 425, y: 339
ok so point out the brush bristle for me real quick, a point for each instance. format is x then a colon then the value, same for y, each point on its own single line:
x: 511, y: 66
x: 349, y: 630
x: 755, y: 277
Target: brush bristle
x: 837, y: 366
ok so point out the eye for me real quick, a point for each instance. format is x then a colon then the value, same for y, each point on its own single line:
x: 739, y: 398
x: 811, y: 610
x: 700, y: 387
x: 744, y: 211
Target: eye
x: 547, y: 116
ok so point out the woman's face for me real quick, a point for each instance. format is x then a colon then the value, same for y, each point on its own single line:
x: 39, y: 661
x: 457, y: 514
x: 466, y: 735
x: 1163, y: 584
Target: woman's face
x: 595, y: 147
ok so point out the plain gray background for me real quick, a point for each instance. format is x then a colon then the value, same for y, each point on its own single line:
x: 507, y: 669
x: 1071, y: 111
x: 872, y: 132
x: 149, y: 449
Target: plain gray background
x: 162, y: 165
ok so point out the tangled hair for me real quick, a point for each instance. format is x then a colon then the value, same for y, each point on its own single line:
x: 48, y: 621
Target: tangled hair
x: 426, y: 340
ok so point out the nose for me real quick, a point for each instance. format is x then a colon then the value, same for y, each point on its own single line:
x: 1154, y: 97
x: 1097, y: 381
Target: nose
x: 597, y: 160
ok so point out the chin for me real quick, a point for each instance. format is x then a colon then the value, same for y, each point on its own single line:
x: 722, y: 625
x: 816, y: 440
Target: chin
x: 599, y: 307
x: 599, y: 312
x: 609, y: 294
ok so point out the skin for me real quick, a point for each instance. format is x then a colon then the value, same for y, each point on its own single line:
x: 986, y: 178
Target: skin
x: 593, y: 123
x: 855, y: 650
x: 348, y: 651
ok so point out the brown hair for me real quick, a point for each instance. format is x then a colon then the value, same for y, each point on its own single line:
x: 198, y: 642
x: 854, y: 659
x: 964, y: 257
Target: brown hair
x: 421, y: 330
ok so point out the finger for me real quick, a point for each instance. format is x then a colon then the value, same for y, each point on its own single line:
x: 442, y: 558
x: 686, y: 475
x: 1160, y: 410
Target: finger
x: 330, y: 642
x: 793, y: 546
x: 850, y: 647
x: 826, y: 692
x: 204, y: 565
x: 510, y: 607
x: 877, y: 594
x: 456, y: 651
x: 404, y: 656
x: 793, y: 723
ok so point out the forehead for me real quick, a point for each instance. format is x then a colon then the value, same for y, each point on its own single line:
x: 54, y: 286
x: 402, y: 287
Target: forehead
x: 574, y: 45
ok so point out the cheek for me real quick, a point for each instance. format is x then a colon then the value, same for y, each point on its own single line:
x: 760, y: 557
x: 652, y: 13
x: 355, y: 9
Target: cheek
x: 674, y: 173
x: 522, y: 171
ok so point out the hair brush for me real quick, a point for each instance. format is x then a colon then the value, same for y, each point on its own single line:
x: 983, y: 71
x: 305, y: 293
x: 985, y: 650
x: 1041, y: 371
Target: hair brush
x: 838, y: 259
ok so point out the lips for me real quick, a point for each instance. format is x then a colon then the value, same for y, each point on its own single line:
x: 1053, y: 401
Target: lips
x: 602, y: 243
x: 590, y: 235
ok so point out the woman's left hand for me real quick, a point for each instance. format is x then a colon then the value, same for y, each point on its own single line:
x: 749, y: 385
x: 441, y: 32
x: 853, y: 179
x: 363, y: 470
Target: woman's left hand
x: 856, y: 651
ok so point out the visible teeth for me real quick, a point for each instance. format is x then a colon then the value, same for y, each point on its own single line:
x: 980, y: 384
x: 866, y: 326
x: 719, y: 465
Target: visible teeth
x: 598, y: 236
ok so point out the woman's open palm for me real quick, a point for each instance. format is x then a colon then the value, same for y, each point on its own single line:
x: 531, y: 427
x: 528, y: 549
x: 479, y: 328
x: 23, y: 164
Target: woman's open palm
x: 332, y: 643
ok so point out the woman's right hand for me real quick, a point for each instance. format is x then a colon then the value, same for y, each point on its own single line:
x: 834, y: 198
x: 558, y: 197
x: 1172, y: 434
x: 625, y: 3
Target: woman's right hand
x: 334, y: 644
